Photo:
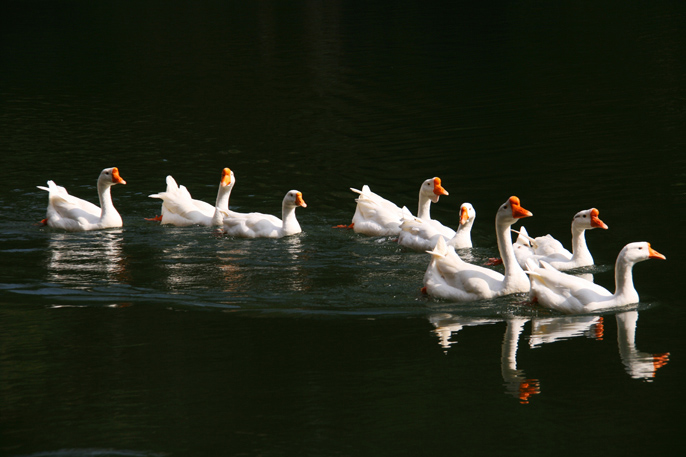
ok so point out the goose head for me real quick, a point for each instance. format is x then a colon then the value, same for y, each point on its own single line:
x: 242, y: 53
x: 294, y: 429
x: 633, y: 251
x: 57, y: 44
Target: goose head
x: 510, y: 211
x: 433, y: 189
x: 638, y: 252
x: 294, y: 199
x: 109, y: 177
x: 588, y: 219
x: 228, y: 179
x: 467, y: 213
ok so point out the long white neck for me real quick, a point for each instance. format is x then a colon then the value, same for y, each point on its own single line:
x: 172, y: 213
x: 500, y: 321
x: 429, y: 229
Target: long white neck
x: 290, y: 223
x: 463, y: 237
x: 106, y: 205
x: 424, y: 209
x: 513, y: 272
x: 223, y: 195
x: 625, y: 293
x: 580, y: 250
x: 222, y: 204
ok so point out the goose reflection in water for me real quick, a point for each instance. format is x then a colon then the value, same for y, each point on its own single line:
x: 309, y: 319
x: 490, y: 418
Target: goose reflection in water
x: 298, y: 279
x: 446, y: 325
x: 86, y: 259
x: 639, y: 365
x: 250, y: 265
x: 185, y: 268
x: 182, y: 266
x: 549, y: 330
x: 516, y: 382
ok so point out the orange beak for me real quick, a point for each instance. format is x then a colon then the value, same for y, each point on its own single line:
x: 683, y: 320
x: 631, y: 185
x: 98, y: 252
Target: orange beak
x: 464, y: 215
x: 654, y: 254
x: 438, y: 189
x: 116, y: 178
x: 595, y: 220
x: 517, y: 211
x: 226, y: 177
x: 299, y: 200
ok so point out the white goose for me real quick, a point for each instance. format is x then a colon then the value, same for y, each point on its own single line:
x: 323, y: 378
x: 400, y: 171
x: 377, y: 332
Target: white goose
x: 258, y: 225
x: 418, y: 235
x: 550, y: 250
x: 449, y: 277
x: 74, y: 214
x: 376, y: 216
x: 522, y: 247
x: 571, y: 294
x: 180, y: 209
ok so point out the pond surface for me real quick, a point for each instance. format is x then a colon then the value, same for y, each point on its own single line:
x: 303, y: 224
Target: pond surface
x: 158, y: 340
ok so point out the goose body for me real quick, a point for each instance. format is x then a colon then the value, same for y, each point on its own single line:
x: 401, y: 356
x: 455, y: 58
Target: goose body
x: 550, y: 250
x: 422, y: 236
x: 180, y: 209
x: 449, y: 277
x: 258, y: 225
x: 522, y: 246
x: 71, y: 213
x: 571, y: 294
x: 377, y: 216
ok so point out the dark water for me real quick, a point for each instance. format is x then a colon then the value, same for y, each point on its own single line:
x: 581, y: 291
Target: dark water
x: 151, y: 340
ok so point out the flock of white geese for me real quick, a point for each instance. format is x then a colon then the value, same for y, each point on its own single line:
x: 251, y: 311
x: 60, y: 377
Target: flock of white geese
x: 533, y: 265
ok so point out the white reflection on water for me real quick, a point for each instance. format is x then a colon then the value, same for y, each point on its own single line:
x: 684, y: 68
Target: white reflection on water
x: 298, y: 280
x: 83, y: 260
x: 183, y: 265
x: 549, y: 330
x: 639, y: 365
x: 446, y: 325
x: 516, y: 382
x: 273, y: 266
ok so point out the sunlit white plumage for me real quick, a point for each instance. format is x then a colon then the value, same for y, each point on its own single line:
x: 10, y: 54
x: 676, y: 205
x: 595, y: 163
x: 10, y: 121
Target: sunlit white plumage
x: 377, y: 216
x: 572, y: 294
x: 449, y: 277
x: 422, y: 236
x: 258, y: 225
x: 75, y: 214
x: 180, y: 209
x: 550, y: 250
